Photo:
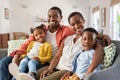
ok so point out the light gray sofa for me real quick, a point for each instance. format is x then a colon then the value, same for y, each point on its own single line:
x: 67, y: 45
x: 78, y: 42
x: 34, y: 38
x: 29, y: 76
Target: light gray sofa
x: 111, y: 73
x: 3, y: 53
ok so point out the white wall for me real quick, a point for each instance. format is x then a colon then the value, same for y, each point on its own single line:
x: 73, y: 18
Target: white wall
x: 102, y: 4
x: 21, y: 19
x: 24, y: 18
x: 4, y: 23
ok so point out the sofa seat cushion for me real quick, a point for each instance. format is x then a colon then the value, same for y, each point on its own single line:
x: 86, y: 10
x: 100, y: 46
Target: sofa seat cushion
x: 110, y: 52
x: 3, y: 53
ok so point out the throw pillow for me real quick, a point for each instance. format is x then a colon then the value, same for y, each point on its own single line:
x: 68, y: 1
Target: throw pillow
x: 14, y: 44
x: 109, y: 55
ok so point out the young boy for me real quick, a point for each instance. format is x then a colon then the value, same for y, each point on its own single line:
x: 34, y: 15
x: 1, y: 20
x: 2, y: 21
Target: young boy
x: 84, y: 57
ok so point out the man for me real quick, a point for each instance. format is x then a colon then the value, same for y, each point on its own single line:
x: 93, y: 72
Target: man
x: 55, y: 34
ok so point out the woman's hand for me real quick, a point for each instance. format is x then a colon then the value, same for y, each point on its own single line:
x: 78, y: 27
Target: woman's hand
x: 65, y: 76
x: 45, y: 73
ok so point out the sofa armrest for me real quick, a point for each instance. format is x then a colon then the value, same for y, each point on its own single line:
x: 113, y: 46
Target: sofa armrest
x: 111, y: 73
x: 3, y: 53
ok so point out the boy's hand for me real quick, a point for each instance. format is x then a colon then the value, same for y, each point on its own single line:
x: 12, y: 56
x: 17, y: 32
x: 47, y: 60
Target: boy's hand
x: 75, y: 77
x: 65, y: 76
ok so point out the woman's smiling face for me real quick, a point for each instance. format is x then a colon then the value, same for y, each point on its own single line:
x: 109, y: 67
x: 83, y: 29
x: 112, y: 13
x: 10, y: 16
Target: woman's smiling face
x: 77, y: 23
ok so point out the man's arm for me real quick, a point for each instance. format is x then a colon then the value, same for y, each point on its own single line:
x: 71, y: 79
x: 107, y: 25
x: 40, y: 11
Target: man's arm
x: 54, y: 61
x: 16, y: 59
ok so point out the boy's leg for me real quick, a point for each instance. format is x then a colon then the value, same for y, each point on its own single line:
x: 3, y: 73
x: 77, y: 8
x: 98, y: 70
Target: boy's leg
x: 4, y: 72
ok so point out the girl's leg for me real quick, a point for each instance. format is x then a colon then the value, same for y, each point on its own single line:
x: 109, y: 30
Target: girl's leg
x: 32, y: 71
x: 23, y: 64
x: 24, y: 76
x: 32, y: 65
x: 4, y: 72
x: 13, y: 68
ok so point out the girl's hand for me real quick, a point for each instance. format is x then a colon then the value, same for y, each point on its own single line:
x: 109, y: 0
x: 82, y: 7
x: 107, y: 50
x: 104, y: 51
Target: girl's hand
x: 35, y: 58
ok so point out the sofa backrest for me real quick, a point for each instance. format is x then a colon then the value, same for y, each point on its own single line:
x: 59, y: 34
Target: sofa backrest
x: 117, y: 50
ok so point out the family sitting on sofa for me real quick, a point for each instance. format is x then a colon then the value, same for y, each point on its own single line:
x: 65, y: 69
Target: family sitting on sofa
x: 66, y: 43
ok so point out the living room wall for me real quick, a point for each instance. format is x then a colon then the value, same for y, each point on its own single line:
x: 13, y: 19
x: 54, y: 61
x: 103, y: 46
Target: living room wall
x: 4, y: 23
x: 22, y: 13
x: 102, y: 4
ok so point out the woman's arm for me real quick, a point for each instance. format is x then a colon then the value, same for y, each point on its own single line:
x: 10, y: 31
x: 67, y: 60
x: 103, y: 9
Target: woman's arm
x: 54, y: 61
x: 97, y: 58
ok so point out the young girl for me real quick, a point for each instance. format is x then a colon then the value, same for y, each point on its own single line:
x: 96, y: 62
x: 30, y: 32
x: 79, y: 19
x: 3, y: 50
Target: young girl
x: 84, y: 57
x: 39, y: 53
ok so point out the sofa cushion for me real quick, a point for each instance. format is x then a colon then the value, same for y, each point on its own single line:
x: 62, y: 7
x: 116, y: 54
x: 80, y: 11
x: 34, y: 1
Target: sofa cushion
x: 14, y: 44
x: 109, y: 55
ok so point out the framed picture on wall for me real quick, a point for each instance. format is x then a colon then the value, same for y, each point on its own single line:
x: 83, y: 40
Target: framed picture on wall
x: 103, y: 17
x: 6, y: 13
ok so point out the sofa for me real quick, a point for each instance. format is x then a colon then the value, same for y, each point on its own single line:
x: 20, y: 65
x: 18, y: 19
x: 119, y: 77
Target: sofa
x: 3, y: 53
x: 111, y: 73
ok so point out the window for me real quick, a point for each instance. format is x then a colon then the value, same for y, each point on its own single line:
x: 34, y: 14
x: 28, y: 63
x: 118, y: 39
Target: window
x: 96, y: 18
x: 115, y: 22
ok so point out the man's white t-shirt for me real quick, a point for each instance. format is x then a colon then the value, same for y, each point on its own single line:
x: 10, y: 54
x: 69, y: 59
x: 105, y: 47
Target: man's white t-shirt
x: 51, y: 38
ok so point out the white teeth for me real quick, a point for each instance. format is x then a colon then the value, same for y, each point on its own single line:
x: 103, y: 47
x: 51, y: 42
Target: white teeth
x: 78, y: 30
x: 52, y: 22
